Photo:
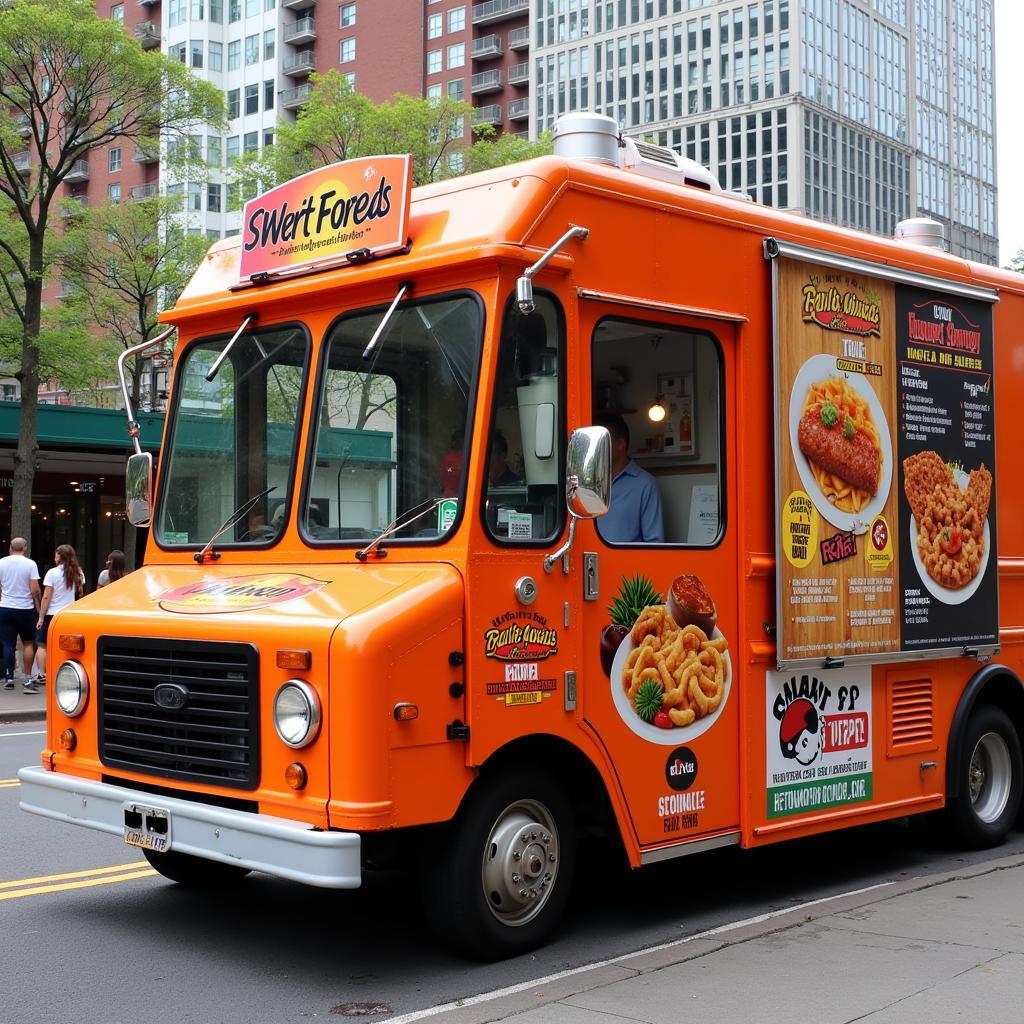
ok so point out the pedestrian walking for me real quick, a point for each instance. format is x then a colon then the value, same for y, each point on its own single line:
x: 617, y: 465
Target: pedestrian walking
x: 62, y: 585
x: 117, y: 566
x: 19, y: 599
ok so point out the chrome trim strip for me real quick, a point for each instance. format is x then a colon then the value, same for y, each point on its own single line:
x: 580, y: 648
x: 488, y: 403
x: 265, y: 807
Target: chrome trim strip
x: 685, y: 849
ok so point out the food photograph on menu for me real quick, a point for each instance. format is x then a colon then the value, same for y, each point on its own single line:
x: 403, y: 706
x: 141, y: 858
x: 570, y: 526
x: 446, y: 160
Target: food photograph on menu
x: 885, y: 448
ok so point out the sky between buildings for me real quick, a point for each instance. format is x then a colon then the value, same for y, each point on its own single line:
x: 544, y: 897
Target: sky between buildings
x: 1010, y: 126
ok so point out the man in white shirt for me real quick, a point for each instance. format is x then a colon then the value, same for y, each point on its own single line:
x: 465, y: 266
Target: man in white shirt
x: 19, y: 601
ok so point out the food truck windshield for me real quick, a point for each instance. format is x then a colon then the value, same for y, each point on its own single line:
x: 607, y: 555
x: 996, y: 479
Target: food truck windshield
x: 391, y: 436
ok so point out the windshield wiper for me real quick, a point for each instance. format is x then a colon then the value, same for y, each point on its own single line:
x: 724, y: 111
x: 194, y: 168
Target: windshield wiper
x: 403, y: 288
x: 200, y: 556
x: 215, y: 369
x: 418, y: 512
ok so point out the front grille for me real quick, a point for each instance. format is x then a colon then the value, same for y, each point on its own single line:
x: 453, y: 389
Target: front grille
x: 214, y: 738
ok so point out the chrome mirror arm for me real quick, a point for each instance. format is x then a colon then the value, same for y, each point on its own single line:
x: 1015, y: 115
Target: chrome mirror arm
x: 133, y: 426
x: 524, y: 286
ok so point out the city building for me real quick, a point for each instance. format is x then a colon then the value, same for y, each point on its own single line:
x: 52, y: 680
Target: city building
x: 261, y: 53
x: 859, y: 112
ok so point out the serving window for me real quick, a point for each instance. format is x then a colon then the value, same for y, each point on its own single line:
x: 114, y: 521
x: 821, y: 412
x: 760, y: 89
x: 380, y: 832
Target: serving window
x: 658, y: 389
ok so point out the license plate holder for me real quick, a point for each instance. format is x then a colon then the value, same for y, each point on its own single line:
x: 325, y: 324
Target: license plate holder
x: 147, y: 827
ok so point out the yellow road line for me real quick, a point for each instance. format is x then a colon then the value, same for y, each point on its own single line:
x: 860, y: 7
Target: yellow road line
x: 113, y: 869
x: 68, y: 886
x: 9, y: 783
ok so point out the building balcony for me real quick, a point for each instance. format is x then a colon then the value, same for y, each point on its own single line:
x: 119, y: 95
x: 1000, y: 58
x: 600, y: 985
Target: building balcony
x: 79, y: 172
x: 73, y: 206
x: 519, y: 110
x: 491, y: 114
x: 519, y: 38
x: 145, y: 155
x: 298, y: 5
x: 22, y: 161
x: 291, y: 99
x: 300, y: 32
x: 498, y: 10
x: 485, y: 81
x: 24, y: 126
x: 519, y: 74
x: 148, y: 34
x: 525, y: 136
x: 148, y: 191
x: 300, y: 65
x: 487, y: 47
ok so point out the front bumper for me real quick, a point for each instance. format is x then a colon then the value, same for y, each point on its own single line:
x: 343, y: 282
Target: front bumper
x: 277, y: 846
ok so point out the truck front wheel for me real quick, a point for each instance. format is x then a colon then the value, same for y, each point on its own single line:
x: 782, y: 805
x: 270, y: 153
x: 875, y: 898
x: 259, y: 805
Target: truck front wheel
x: 194, y: 872
x: 990, y: 775
x: 497, y: 881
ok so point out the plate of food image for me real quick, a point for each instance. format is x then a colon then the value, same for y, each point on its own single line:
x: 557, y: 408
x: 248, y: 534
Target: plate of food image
x: 840, y: 443
x: 949, y: 532
x: 671, y: 675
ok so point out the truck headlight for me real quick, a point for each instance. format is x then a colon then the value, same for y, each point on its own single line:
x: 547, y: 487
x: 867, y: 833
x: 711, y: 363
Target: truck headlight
x: 297, y: 713
x: 71, y: 688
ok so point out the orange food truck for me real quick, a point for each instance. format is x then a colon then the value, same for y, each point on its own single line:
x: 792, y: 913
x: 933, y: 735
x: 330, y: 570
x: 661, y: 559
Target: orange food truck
x: 575, y: 496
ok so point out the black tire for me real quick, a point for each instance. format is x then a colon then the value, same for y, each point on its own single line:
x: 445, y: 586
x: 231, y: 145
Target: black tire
x: 515, y: 825
x: 194, y: 872
x: 989, y: 769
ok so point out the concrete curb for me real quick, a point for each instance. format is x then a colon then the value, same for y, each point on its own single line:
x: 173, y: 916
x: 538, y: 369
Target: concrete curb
x: 28, y: 715
x: 609, y: 972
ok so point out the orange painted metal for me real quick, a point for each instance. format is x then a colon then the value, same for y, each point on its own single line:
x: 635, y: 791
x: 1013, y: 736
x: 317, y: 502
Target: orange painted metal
x: 411, y: 629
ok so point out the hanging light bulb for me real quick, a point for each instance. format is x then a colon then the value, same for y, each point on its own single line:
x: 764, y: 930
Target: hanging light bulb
x: 656, y: 411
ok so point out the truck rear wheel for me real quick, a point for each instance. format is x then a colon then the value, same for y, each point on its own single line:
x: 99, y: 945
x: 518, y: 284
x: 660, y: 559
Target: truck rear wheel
x: 990, y: 774
x: 194, y: 872
x: 498, y: 881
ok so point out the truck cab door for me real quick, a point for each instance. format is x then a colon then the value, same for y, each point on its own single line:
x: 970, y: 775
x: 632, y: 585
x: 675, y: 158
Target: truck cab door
x: 522, y: 622
x: 663, y: 699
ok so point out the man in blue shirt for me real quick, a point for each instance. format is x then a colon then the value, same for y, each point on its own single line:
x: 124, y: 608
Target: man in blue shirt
x: 635, y: 513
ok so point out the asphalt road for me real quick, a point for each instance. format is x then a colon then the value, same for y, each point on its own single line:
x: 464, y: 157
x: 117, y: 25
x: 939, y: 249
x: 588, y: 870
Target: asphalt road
x: 111, y: 942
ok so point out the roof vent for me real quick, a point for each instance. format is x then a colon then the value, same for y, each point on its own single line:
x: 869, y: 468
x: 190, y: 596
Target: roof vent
x: 586, y: 136
x: 921, y: 231
x: 665, y: 165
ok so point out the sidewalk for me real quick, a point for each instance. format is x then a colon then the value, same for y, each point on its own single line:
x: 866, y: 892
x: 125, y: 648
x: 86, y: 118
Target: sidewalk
x: 16, y: 706
x: 924, y: 951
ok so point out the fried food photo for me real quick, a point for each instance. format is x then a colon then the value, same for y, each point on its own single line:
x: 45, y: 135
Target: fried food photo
x: 950, y: 519
x: 840, y: 440
x: 675, y: 674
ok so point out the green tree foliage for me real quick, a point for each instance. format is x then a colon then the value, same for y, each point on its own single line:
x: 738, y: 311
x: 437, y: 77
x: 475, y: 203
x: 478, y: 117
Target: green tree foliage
x: 336, y: 123
x: 73, y: 82
x: 493, y: 150
x: 121, y: 265
x: 1016, y: 264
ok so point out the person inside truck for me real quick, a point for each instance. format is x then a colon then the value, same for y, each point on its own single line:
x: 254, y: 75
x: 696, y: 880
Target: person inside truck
x: 500, y: 473
x: 634, y: 516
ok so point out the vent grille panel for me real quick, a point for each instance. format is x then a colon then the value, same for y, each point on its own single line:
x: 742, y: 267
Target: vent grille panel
x: 214, y: 738
x: 912, y: 713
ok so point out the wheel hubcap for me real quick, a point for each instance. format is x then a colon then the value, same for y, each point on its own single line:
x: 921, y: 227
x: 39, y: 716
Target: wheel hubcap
x: 520, y: 862
x: 989, y: 777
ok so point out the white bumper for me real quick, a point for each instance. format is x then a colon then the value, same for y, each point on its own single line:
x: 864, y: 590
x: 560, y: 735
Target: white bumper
x: 277, y: 846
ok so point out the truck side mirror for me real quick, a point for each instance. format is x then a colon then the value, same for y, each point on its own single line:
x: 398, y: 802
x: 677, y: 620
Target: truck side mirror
x: 588, y: 468
x: 588, y: 484
x: 139, y: 489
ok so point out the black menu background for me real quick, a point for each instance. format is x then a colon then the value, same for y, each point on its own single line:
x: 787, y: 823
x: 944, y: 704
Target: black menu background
x: 946, y: 402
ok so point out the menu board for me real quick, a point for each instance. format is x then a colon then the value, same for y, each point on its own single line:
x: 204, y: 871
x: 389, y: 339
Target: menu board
x: 885, y: 467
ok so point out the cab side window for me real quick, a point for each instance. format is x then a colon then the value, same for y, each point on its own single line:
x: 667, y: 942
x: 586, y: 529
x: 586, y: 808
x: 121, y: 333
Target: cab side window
x: 525, y: 450
x: 657, y: 389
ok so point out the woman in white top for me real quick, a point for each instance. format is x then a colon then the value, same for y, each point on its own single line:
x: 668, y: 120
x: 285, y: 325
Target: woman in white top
x: 62, y: 585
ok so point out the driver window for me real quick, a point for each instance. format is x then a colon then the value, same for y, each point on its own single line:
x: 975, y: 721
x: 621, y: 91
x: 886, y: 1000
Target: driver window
x: 657, y: 389
x: 525, y: 452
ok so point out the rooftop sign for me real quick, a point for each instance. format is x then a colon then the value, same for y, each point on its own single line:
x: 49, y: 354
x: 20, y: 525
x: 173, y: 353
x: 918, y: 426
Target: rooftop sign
x: 357, y: 206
